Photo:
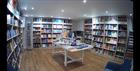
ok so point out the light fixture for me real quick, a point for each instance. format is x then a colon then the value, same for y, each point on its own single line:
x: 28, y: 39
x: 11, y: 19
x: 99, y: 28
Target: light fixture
x: 25, y: 8
x: 51, y: 16
x: 62, y: 10
x: 131, y: 14
x: 84, y: 1
x: 32, y: 8
x: 106, y: 12
x: 85, y: 15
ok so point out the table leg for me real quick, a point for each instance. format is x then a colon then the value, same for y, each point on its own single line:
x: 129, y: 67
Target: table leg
x: 65, y: 58
x: 82, y: 53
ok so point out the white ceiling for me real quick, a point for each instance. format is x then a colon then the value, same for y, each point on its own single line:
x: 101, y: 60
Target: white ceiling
x: 75, y: 8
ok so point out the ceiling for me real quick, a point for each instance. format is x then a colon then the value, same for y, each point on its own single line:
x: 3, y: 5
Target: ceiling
x: 76, y: 8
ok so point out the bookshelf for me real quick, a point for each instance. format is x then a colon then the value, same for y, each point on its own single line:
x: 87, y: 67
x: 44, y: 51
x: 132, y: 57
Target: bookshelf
x: 129, y: 50
x: 88, y: 30
x: 15, y: 30
x: 48, y: 29
x: 108, y: 34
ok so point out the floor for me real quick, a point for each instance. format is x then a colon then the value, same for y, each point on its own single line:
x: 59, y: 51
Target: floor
x: 41, y: 59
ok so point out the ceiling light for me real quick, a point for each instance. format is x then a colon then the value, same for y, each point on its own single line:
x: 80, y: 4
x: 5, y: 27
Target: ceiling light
x: 62, y: 10
x: 32, y: 8
x: 106, y: 12
x: 84, y: 1
x: 25, y: 8
x: 131, y: 14
x: 51, y: 16
x: 85, y: 15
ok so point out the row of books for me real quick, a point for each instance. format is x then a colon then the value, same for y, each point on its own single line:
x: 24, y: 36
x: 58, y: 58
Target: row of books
x: 36, y: 40
x: 98, y: 33
x: 44, y: 45
x: 110, y: 47
x: 88, y: 36
x: 120, y: 49
x: 12, y: 32
x: 37, y: 45
x: 111, y: 33
x: 48, y: 35
x: 98, y: 39
x: 46, y: 40
x: 111, y: 40
x: 122, y: 34
x: 11, y: 20
x: 109, y: 18
x: 98, y: 26
x: 97, y: 44
x: 111, y: 27
x: 123, y: 27
x: 57, y: 31
x: 122, y: 41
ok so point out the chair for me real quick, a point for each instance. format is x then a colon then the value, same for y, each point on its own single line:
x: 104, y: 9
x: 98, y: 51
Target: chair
x: 126, y: 66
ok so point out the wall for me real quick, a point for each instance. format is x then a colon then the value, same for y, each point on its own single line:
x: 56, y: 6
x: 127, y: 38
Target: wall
x: 27, y: 32
x: 78, y: 25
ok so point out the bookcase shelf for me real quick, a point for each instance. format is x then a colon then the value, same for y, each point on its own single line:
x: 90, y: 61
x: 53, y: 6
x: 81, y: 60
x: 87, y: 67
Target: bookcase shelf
x: 108, y: 33
x: 50, y: 28
x: 15, y: 30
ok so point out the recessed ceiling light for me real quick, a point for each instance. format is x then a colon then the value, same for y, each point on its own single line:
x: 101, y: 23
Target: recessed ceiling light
x: 84, y: 1
x: 131, y: 14
x: 85, y: 15
x: 32, y: 8
x: 51, y: 16
x: 106, y: 12
x: 25, y: 8
x: 62, y: 10
x: 26, y: 15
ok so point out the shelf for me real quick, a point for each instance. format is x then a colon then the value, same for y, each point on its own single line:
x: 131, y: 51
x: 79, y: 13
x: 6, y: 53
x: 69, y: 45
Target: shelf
x: 58, y: 28
x: 121, y: 43
x: 36, y: 43
x: 122, y: 30
x: 13, y: 25
x: 88, y: 24
x: 110, y: 30
x: 98, y: 29
x: 88, y: 39
x: 11, y: 52
x: 98, y: 41
x: 46, y: 28
x: 56, y: 33
x: 46, y: 33
x: 110, y: 43
x: 119, y: 56
x: 119, y: 51
x: 13, y: 37
x: 98, y: 35
x: 67, y: 24
x: 110, y: 36
x: 46, y: 42
x: 47, y: 37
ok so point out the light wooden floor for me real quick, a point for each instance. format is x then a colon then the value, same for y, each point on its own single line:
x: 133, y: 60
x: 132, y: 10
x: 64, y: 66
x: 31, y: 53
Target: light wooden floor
x: 41, y: 59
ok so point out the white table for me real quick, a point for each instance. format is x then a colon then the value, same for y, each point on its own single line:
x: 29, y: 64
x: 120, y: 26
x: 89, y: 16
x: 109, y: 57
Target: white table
x: 67, y: 48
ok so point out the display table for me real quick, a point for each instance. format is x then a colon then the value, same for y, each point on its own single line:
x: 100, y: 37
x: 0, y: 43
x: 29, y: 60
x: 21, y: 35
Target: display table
x: 68, y: 48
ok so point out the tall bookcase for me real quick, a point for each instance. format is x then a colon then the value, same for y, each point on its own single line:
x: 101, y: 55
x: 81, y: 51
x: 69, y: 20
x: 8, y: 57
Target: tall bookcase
x: 107, y: 34
x: 46, y: 29
x: 88, y: 31
x: 14, y: 38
